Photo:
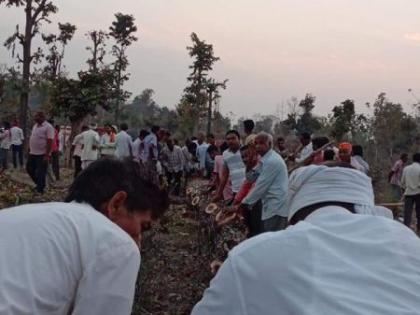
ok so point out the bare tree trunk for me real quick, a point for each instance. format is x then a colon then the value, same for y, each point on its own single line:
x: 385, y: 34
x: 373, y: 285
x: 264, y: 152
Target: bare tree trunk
x: 24, y: 96
x: 209, y: 112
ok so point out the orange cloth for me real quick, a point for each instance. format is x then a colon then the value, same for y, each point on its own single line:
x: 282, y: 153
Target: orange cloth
x: 345, y: 146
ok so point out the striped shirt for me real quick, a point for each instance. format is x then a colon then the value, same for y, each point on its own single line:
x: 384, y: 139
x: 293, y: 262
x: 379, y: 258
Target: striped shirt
x: 233, y: 162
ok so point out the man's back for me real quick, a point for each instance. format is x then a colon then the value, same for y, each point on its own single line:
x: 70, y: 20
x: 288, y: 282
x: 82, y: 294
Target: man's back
x: 334, y: 262
x: 122, y: 144
x: 411, y: 179
x: 16, y: 135
x: 55, y: 257
x: 90, y: 145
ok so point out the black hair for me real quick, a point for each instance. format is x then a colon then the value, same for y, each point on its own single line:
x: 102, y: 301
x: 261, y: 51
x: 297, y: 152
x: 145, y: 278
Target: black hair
x: 329, y: 155
x: 249, y: 125
x: 84, y: 128
x: 6, y: 125
x: 155, y: 129
x: 244, y: 147
x: 210, y: 135
x: 404, y: 156
x: 235, y: 132
x: 143, y: 133
x: 193, y: 138
x: 99, y: 182
x: 305, y: 135
x: 416, y: 157
x: 212, y: 148
x: 224, y: 147
x: 124, y: 126
x: 280, y: 139
x: 358, y: 150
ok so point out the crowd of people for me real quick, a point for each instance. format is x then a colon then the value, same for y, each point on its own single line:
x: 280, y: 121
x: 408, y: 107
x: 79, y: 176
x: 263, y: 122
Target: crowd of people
x: 331, y: 250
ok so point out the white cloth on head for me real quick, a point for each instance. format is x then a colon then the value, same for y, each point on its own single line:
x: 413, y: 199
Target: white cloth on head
x: 319, y: 183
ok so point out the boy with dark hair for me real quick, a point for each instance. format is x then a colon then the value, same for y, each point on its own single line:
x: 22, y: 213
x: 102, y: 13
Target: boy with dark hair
x: 84, y: 255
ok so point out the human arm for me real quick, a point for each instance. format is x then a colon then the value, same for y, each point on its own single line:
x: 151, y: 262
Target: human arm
x: 108, y: 283
x: 269, y: 171
x: 223, y: 180
x: 224, y: 296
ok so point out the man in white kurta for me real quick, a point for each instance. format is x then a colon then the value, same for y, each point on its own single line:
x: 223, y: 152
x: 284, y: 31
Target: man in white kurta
x: 332, y: 261
x: 90, y: 150
x: 123, y: 143
x: 80, y: 257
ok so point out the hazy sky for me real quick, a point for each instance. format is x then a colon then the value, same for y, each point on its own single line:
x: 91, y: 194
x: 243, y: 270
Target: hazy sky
x: 270, y: 50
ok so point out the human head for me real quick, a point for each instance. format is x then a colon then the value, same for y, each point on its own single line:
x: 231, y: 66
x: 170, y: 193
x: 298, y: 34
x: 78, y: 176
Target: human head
x: 155, y: 129
x: 6, y: 125
x: 39, y: 117
x: 108, y: 128
x: 170, y: 144
x: 232, y: 139
x: 329, y: 155
x: 344, y: 152
x: 124, y: 127
x: 84, y: 128
x: 143, y: 134
x: 249, y: 156
x: 404, y: 157
x: 263, y: 143
x: 211, y: 139
x: 212, y: 151
x: 319, y: 142
x: 223, y: 147
x: 337, y: 184
x: 116, y: 189
x: 249, y: 126
x: 281, y: 143
x: 57, y: 128
x: 358, y: 150
x: 416, y: 157
x: 201, y: 138
x: 305, y: 138
x: 93, y: 126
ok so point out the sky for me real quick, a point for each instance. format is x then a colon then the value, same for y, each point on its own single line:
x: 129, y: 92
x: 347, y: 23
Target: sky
x: 270, y: 50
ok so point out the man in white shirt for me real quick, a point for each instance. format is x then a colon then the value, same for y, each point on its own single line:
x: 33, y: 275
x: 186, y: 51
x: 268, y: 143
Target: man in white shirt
x: 410, y: 182
x: 108, y: 142
x: 175, y: 166
x: 90, y: 146
x: 77, y: 147
x: 80, y: 257
x: 307, y: 149
x: 341, y: 255
x: 16, y: 139
x: 4, y: 145
x: 202, y: 153
x: 138, y: 146
x: 151, y: 155
x: 123, y: 143
x: 40, y: 147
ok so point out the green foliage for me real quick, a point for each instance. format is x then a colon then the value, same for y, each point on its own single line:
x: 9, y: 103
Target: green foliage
x: 76, y: 99
x: 122, y: 31
x: 56, y: 47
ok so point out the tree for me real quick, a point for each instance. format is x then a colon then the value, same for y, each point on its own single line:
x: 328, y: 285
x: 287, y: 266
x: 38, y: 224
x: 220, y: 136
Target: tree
x: 196, y: 93
x: 212, y: 89
x: 345, y: 120
x: 122, y: 30
x: 56, y: 47
x: 97, y: 49
x: 307, y: 122
x: 36, y: 12
x: 75, y: 99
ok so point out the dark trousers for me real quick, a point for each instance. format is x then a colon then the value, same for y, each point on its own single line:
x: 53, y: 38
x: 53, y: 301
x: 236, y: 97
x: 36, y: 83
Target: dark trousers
x: 36, y: 167
x: 253, y: 219
x: 77, y: 165
x: 3, y: 158
x: 17, y: 154
x: 176, y: 177
x: 409, y: 203
x: 55, y: 164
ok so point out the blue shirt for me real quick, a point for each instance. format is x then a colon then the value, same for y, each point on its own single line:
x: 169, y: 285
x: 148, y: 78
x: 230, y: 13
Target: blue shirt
x: 271, y: 186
